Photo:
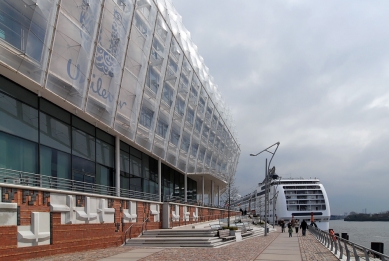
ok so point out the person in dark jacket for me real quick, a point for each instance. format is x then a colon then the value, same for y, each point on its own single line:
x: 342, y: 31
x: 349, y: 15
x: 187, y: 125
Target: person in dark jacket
x: 303, y: 227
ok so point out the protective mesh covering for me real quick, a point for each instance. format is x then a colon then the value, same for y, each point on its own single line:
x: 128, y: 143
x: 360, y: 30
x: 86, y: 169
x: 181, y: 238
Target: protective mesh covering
x: 131, y: 65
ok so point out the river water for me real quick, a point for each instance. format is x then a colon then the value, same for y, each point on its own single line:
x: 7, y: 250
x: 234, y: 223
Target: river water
x: 363, y: 233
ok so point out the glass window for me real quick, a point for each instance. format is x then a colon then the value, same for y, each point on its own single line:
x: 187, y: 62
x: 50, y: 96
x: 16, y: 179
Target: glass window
x: 135, y: 166
x: 55, y: 111
x: 190, y: 116
x: 198, y: 124
x: 145, y: 166
x: 19, y: 30
x: 14, y: 90
x: 180, y: 106
x: 167, y: 95
x: 153, y: 167
x: 84, y: 145
x: 83, y: 125
x: 18, y: 154
x: 174, y: 137
x: 54, y: 163
x: 124, y: 162
x: 194, y: 149
x: 18, y: 118
x: 54, y: 133
x: 146, y: 117
x: 135, y: 152
x: 161, y: 128
x: 185, y: 143
x: 152, y: 80
x: 135, y: 183
x: 124, y: 180
x: 105, y: 153
x: 104, y: 176
x: 205, y: 132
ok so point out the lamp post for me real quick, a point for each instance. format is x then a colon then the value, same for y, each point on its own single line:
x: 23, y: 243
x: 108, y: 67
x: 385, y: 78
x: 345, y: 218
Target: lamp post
x: 267, y: 174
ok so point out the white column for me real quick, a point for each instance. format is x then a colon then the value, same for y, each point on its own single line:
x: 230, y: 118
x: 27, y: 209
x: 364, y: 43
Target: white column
x: 117, y: 165
x: 159, y: 180
x: 218, y: 195
x: 202, y: 186
x: 212, y: 193
x: 186, y: 187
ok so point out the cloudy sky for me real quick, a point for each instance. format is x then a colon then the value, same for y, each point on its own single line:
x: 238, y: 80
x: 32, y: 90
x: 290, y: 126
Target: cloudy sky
x: 312, y: 75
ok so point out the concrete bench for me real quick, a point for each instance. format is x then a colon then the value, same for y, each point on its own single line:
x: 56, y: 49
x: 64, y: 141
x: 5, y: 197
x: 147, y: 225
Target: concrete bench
x: 225, y: 234
x: 215, y: 226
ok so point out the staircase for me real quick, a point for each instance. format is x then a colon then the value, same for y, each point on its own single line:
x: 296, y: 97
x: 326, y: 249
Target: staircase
x: 183, y: 238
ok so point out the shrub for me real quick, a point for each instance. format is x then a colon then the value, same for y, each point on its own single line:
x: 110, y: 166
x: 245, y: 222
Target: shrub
x: 230, y: 228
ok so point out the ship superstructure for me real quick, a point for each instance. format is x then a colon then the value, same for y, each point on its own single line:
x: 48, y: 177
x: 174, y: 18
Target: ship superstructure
x: 296, y: 198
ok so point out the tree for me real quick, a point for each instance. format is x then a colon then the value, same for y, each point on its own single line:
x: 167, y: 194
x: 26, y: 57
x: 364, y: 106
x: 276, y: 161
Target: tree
x: 230, y: 193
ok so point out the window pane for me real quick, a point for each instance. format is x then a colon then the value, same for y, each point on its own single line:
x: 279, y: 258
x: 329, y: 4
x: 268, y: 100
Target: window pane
x: 54, y: 133
x: 83, y: 144
x: 105, y: 153
x: 135, y: 166
x: 83, y: 166
x: 124, y: 162
x: 18, y: 118
x: 54, y: 163
x: 18, y: 154
x: 135, y: 183
x: 104, y: 176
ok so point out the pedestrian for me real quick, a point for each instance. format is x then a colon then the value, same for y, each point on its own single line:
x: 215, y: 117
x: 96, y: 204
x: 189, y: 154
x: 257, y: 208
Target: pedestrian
x: 303, y: 227
x: 296, y: 225
x: 245, y: 212
x: 282, y: 223
x: 332, y: 234
x: 290, y: 231
x: 241, y: 210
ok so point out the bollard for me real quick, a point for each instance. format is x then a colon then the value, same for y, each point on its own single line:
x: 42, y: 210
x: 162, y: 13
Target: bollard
x: 377, y: 246
x: 345, y: 236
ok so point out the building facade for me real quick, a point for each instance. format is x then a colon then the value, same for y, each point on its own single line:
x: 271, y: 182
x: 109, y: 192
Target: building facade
x: 108, y: 98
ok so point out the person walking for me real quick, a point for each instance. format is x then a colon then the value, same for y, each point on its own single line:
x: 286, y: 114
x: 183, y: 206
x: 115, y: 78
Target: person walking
x: 290, y: 231
x: 296, y: 225
x: 282, y: 224
x: 303, y: 227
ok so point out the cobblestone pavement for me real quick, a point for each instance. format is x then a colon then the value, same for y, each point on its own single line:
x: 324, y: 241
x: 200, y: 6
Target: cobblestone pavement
x: 312, y: 250
x: 249, y: 249
x: 90, y: 255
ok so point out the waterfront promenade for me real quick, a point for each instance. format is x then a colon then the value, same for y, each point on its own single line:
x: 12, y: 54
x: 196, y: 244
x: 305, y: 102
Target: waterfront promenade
x: 274, y: 247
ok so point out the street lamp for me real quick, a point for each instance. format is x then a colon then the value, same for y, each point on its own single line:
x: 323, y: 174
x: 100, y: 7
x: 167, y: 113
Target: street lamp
x: 268, y: 172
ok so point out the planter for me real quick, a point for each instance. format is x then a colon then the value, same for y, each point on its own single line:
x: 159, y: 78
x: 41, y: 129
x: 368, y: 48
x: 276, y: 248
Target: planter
x: 237, y: 234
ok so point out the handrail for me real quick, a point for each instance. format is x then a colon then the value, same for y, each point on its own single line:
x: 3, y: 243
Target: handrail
x: 198, y: 219
x: 333, y: 241
x: 20, y: 178
x: 130, y: 228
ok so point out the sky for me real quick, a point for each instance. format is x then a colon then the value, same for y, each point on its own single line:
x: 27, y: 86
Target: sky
x: 312, y: 75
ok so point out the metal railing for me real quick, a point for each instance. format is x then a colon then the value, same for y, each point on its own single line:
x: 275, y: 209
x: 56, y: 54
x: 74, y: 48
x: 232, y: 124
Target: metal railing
x: 21, y: 178
x: 343, y: 248
x: 130, y: 229
x: 197, y: 219
x: 181, y: 200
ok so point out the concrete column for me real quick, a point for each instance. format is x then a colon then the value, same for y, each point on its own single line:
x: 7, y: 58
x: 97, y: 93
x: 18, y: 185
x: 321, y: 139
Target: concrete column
x: 117, y: 165
x: 212, y: 193
x: 218, y: 195
x: 186, y: 187
x: 202, y: 190
x: 160, y: 180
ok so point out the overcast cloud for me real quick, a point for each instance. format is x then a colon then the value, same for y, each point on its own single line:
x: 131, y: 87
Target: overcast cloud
x: 312, y: 75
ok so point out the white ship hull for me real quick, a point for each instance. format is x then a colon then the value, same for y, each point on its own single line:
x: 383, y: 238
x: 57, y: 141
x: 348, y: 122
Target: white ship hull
x: 296, y: 198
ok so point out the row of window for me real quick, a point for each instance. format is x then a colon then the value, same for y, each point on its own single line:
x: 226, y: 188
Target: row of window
x: 36, y: 136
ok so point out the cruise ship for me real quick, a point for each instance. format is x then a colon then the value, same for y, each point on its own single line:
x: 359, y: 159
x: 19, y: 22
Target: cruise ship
x: 289, y: 198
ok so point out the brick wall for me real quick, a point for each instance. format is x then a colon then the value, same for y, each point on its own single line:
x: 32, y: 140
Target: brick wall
x: 66, y: 237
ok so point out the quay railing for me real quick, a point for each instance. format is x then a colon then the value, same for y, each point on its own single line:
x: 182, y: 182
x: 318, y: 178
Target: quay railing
x: 345, y: 249
x: 181, y: 200
x: 27, y: 179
